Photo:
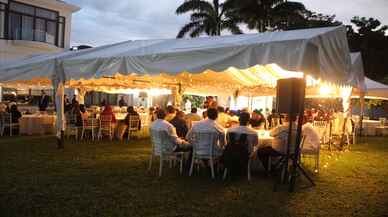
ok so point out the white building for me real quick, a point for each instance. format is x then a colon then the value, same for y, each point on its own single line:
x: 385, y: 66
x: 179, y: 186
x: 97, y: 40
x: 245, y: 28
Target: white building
x: 30, y: 27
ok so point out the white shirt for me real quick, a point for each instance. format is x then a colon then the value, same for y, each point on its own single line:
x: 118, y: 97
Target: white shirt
x: 311, y: 141
x: 208, y: 126
x: 253, y: 138
x: 280, y: 135
x: 163, y: 125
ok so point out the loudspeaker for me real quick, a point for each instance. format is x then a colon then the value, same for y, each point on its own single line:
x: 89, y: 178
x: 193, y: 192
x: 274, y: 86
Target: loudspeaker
x: 290, y: 93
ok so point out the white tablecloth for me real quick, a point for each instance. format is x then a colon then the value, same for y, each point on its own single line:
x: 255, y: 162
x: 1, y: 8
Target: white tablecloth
x: 369, y: 127
x: 265, y: 140
x: 37, y: 124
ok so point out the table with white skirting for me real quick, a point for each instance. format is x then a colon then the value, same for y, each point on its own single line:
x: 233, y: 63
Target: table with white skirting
x: 37, y: 124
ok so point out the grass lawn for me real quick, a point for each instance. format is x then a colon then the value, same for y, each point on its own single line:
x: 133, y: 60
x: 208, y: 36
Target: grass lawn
x: 110, y: 179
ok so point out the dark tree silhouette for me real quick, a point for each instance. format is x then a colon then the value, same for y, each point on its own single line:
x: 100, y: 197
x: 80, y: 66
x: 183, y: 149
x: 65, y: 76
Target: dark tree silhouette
x: 369, y: 38
x: 267, y: 15
x: 206, y: 17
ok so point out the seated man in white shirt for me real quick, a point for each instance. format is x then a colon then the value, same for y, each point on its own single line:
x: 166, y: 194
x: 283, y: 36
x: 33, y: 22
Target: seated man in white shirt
x: 162, y: 125
x: 252, y: 136
x: 279, y: 143
x: 311, y: 135
x: 209, y: 125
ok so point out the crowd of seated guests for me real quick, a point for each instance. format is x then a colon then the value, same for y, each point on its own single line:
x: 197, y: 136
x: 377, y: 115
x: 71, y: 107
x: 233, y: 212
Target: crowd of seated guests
x: 181, y: 129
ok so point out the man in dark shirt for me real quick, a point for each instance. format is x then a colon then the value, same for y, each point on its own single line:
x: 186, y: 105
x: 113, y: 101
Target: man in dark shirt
x: 122, y: 102
x: 43, y: 101
x: 180, y: 124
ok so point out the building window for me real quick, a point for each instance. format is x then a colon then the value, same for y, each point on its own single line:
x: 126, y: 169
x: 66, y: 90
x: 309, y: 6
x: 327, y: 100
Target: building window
x: 27, y: 22
x: 61, y: 32
x: 2, y: 20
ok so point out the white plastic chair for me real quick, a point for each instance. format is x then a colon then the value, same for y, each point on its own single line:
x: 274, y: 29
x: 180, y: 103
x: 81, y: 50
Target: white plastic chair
x: 71, y: 129
x: 248, y: 167
x: 311, y: 153
x: 204, y: 148
x: 133, y: 125
x: 106, y: 126
x: 322, y: 128
x: 6, y: 122
x: 248, y: 170
x: 89, y: 125
x: 163, y: 146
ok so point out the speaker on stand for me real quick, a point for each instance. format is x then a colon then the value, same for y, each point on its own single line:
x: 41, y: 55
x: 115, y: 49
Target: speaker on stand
x: 290, y: 94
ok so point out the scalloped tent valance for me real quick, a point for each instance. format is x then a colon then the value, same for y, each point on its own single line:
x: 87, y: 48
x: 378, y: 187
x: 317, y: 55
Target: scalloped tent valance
x: 322, y: 53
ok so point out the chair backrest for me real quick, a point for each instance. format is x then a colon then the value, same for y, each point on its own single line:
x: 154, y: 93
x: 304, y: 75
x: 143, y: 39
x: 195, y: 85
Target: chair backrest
x: 133, y: 122
x: 90, y: 122
x: 382, y: 121
x: 145, y: 119
x: 302, y: 142
x: 204, y: 143
x: 161, y: 142
x: 320, y: 124
x: 106, y: 121
x: 6, y: 119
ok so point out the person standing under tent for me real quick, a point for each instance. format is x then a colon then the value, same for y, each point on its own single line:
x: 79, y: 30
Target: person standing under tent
x: 74, y: 100
x: 122, y: 102
x: 43, y: 101
x: 67, y: 104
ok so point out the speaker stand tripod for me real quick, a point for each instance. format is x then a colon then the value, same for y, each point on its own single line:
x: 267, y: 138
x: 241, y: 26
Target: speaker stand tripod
x: 287, y: 175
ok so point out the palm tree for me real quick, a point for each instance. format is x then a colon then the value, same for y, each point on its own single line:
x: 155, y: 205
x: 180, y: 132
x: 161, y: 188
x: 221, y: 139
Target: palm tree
x: 210, y: 18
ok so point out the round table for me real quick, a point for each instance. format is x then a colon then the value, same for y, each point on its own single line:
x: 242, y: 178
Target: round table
x: 37, y: 124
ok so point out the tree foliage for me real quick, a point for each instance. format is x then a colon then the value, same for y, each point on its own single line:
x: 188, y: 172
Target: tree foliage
x: 369, y: 38
x: 264, y: 15
x: 207, y: 17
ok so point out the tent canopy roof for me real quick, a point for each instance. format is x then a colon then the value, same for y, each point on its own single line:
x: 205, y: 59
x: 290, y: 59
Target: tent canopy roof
x: 320, y: 52
x: 373, y: 85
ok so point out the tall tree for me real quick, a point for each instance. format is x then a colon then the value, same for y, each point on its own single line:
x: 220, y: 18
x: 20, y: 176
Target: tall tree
x: 311, y: 19
x: 207, y: 17
x: 370, y: 39
x: 266, y: 15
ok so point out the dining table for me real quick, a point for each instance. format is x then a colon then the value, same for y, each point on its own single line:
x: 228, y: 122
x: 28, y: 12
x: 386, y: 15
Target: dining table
x: 369, y: 127
x: 37, y: 124
x: 265, y: 140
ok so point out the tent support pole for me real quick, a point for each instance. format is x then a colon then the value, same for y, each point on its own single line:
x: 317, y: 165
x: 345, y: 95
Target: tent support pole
x: 362, y: 107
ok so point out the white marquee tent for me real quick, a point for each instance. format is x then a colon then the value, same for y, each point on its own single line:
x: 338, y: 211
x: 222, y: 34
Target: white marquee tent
x: 370, y: 88
x: 196, y: 64
x: 375, y: 89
